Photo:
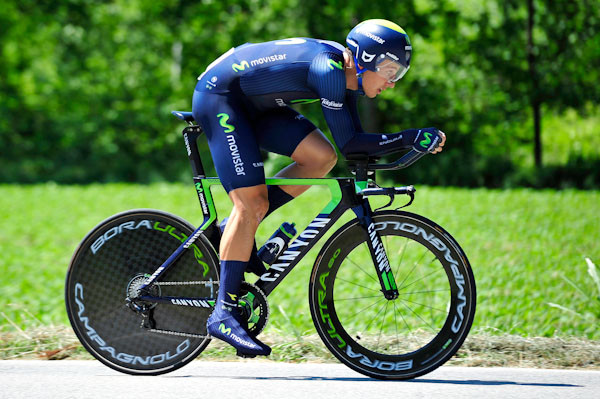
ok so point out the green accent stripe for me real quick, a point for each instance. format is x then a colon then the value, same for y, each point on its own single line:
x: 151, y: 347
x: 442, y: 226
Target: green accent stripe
x: 206, y: 183
x: 392, y: 280
x: 360, y: 185
x: 333, y: 64
x: 305, y: 100
x: 332, y: 184
x: 285, y: 232
x: 385, y: 281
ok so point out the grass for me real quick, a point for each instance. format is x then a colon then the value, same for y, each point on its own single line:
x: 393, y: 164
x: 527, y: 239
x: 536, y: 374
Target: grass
x: 527, y: 249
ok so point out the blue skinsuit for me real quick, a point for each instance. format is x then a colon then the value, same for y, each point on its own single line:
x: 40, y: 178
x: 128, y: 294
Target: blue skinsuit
x: 243, y: 101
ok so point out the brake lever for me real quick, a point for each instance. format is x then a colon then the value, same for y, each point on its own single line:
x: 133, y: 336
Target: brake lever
x: 388, y: 204
x: 411, y: 194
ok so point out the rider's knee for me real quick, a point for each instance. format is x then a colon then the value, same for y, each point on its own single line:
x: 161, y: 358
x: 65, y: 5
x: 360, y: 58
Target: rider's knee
x: 261, y: 208
x: 329, y: 158
x: 324, y: 158
x: 253, y: 208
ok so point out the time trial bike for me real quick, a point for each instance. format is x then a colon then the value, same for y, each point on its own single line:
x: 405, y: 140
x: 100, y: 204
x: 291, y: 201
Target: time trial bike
x: 391, y: 293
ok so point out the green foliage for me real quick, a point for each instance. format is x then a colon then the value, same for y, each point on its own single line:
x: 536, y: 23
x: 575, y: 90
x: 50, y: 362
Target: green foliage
x: 523, y: 245
x: 87, y: 86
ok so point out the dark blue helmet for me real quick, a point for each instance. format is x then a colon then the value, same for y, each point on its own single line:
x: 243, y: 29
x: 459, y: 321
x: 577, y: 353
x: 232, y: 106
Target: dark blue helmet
x: 381, y: 46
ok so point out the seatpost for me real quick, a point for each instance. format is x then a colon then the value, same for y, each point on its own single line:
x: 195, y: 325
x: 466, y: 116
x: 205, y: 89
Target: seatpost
x: 190, y: 135
x: 361, y: 170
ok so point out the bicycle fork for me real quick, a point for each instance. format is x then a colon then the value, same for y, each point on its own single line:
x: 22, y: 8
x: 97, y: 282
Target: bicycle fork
x: 377, y: 249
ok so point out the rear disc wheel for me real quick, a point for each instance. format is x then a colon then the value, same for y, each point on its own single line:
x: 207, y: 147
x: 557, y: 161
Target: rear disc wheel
x: 102, y: 293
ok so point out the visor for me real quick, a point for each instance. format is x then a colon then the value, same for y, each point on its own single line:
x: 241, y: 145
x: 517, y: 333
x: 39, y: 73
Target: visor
x: 390, y: 69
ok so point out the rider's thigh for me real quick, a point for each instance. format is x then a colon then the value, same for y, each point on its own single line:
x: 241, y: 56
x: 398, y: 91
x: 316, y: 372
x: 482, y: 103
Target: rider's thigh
x: 231, y: 139
x: 281, y: 130
x: 315, y: 150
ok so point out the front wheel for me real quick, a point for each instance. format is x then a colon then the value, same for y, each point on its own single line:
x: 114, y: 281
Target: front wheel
x: 110, y: 265
x: 398, y: 338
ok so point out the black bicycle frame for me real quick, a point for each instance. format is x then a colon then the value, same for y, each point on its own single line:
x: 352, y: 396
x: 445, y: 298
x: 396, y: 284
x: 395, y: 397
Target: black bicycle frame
x: 346, y: 193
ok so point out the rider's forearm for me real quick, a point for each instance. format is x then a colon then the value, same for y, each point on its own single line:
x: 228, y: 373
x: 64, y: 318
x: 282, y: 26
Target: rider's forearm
x: 379, y: 144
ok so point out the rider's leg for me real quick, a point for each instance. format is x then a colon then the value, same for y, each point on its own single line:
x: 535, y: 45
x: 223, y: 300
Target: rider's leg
x: 237, y: 159
x: 249, y: 207
x: 314, y: 157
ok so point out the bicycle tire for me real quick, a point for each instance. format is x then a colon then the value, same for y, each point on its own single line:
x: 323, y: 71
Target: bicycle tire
x: 111, y: 260
x: 401, y: 338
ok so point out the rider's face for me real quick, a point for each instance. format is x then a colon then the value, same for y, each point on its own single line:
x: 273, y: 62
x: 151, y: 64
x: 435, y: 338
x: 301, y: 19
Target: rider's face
x: 373, y: 84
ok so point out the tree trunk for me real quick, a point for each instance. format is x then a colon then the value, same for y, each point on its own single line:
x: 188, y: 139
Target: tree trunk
x: 536, y: 103
x: 537, y: 133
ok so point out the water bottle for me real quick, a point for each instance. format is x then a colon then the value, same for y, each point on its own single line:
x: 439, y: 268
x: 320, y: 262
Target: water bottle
x: 277, y: 243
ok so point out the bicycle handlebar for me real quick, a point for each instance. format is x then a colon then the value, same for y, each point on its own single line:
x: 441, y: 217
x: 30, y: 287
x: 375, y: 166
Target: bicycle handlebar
x: 364, y: 163
x: 405, y: 161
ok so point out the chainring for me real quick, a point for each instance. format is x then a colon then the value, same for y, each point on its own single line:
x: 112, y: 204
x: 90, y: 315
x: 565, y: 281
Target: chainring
x: 254, y: 307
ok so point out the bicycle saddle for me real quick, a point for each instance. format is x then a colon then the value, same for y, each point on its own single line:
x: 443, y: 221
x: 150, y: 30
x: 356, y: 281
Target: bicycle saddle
x: 184, y: 116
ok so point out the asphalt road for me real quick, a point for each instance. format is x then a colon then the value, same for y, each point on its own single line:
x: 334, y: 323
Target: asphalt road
x: 261, y: 379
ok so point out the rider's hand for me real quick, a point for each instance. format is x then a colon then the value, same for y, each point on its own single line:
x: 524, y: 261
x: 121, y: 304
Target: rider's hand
x: 430, y: 140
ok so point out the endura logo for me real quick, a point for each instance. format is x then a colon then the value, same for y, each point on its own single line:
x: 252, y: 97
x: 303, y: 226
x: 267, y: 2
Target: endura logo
x: 388, y: 141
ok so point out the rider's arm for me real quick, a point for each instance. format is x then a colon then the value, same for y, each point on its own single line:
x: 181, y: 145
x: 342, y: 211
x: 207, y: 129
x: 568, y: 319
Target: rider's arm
x: 340, y: 110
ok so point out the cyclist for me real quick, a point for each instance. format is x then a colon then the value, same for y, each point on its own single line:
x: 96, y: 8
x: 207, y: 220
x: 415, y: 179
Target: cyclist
x: 243, y: 101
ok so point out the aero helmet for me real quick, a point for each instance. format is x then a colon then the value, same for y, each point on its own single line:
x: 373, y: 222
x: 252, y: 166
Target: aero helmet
x: 380, y: 46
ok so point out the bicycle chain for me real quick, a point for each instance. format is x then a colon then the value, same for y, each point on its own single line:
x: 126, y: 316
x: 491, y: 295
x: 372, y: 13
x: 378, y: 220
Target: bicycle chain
x: 186, y: 283
x: 181, y: 334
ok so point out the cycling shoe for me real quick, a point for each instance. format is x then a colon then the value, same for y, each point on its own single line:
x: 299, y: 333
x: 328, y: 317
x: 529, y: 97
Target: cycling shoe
x: 255, y: 265
x: 224, y: 326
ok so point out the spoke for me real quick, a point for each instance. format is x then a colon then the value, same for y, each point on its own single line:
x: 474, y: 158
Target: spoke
x: 410, y: 332
x: 416, y: 281
x: 420, y: 318
x: 401, y: 257
x: 414, y: 267
x: 357, y: 298
x: 426, y: 306
x: 382, y: 323
x: 424, y: 292
x: 360, y: 268
x: 362, y: 310
x: 358, y: 285
x: 396, y: 326
x: 375, y: 317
